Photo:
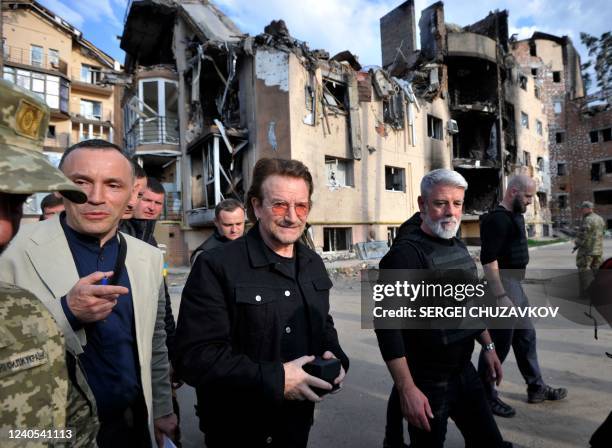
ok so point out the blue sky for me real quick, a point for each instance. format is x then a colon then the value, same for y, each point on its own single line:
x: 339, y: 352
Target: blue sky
x: 337, y: 25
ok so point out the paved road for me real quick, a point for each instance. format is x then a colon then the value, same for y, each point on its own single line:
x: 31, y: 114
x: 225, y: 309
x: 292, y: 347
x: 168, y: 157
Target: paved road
x: 569, y: 356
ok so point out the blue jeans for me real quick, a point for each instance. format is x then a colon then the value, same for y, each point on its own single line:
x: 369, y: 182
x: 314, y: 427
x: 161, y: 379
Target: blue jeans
x: 522, y: 340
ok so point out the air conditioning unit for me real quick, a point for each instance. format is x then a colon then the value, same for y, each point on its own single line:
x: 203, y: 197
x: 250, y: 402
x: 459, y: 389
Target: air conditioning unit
x: 453, y: 128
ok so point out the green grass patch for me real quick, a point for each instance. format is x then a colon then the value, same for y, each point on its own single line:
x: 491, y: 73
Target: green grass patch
x: 536, y: 243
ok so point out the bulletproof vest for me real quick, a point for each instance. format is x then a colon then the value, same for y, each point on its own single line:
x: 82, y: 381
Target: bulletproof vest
x: 442, y: 256
x: 516, y: 251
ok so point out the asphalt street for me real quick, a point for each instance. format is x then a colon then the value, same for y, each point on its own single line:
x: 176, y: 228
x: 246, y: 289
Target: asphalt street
x: 568, y: 354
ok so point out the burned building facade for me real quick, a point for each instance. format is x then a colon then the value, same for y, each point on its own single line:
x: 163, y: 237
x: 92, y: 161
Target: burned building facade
x: 366, y: 136
x: 498, y: 125
x: 580, y: 139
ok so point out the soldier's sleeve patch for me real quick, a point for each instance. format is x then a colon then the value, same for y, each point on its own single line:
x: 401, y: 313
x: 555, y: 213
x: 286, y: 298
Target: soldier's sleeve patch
x: 22, y: 361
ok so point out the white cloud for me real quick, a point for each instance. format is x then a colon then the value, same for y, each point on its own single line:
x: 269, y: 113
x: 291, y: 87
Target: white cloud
x: 337, y: 25
x: 98, y: 11
x: 65, y: 12
x: 79, y: 12
x: 333, y: 25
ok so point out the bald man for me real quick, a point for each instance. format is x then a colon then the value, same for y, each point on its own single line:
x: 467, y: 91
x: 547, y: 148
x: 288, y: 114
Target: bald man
x: 504, y: 256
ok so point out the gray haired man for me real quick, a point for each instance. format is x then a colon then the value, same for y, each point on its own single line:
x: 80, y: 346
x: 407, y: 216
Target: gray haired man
x: 433, y: 375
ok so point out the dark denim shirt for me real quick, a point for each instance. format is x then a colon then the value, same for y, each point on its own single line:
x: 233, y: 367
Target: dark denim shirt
x: 110, y: 358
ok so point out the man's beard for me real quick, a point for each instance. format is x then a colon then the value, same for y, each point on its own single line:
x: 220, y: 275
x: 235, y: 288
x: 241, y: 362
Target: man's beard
x: 518, y: 206
x: 437, y: 228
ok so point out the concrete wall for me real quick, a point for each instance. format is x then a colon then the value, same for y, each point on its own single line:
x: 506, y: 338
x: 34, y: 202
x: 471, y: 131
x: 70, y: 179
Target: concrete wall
x: 22, y: 28
x: 473, y: 45
x: 366, y: 206
x: 528, y: 140
x: 398, y: 30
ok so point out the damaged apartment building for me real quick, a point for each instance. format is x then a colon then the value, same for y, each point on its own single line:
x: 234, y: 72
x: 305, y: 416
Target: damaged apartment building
x: 580, y: 129
x: 206, y: 101
x: 497, y: 121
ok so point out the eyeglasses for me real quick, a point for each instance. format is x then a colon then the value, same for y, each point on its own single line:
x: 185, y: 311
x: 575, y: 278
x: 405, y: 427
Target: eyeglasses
x: 281, y: 208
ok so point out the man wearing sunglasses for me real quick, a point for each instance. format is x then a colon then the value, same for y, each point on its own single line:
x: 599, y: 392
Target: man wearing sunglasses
x: 253, y: 313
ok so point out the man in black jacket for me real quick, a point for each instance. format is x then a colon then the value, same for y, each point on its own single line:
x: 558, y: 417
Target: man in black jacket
x: 433, y: 376
x: 253, y: 313
x: 229, y: 226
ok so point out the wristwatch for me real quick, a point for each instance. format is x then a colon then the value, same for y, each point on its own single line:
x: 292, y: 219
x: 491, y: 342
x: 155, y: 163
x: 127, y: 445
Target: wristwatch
x: 489, y: 347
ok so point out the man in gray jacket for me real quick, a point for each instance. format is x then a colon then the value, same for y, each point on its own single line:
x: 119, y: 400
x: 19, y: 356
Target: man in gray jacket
x: 106, y: 292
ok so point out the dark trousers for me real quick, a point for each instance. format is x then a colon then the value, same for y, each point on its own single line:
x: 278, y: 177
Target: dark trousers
x: 284, y: 438
x: 125, y: 428
x: 522, y: 339
x: 461, y: 398
x: 603, y: 435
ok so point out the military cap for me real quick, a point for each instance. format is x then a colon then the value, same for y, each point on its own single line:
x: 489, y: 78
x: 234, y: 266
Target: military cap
x: 586, y: 204
x: 23, y: 167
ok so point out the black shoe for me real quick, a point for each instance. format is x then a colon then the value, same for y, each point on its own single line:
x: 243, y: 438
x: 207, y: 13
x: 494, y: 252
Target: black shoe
x: 546, y: 393
x: 500, y: 408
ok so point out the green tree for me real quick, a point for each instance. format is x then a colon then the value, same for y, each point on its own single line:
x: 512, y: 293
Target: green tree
x: 600, y: 55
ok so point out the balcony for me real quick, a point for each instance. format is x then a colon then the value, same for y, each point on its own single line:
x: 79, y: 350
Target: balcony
x: 154, y: 135
x: 89, y: 82
x: 23, y: 57
x: 472, y: 45
x: 104, y: 118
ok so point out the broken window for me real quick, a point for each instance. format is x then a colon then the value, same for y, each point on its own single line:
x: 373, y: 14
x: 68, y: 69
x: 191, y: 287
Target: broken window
x: 558, y: 106
x: 542, y: 199
x: 559, y: 137
x: 561, y: 169
x: 594, y: 135
x: 608, y: 166
x: 595, y: 171
x: 609, y: 223
x: 391, y: 234
x: 51, y: 131
x: 527, y: 158
x: 556, y: 76
x: 524, y: 120
x: 395, y: 179
x: 337, y: 239
x: 540, y: 163
x: 539, y: 127
x: 603, y: 197
x: 537, y: 92
x: 339, y: 172
x: 335, y: 94
x: 434, y: 127
x: 393, y: 111
x: 606, y: 134
x: 523, y: 81
x: 562, y: 198
x: 532, y: 49
x: 534, y: 72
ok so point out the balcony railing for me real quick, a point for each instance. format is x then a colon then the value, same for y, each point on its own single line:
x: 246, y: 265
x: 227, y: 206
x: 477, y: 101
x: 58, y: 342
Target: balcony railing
x: 153, y: 131
x: 23, y: 56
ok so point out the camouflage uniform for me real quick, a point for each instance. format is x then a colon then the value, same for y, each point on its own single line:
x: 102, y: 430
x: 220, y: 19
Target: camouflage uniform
x: 589, y: 242
x: 41, y: 383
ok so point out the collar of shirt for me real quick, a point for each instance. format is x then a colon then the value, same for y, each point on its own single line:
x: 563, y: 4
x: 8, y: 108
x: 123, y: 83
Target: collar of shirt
x: 88, y: 242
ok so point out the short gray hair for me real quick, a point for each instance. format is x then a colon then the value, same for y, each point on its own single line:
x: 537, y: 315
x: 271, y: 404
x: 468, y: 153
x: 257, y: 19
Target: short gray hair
x: 442, y: 176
